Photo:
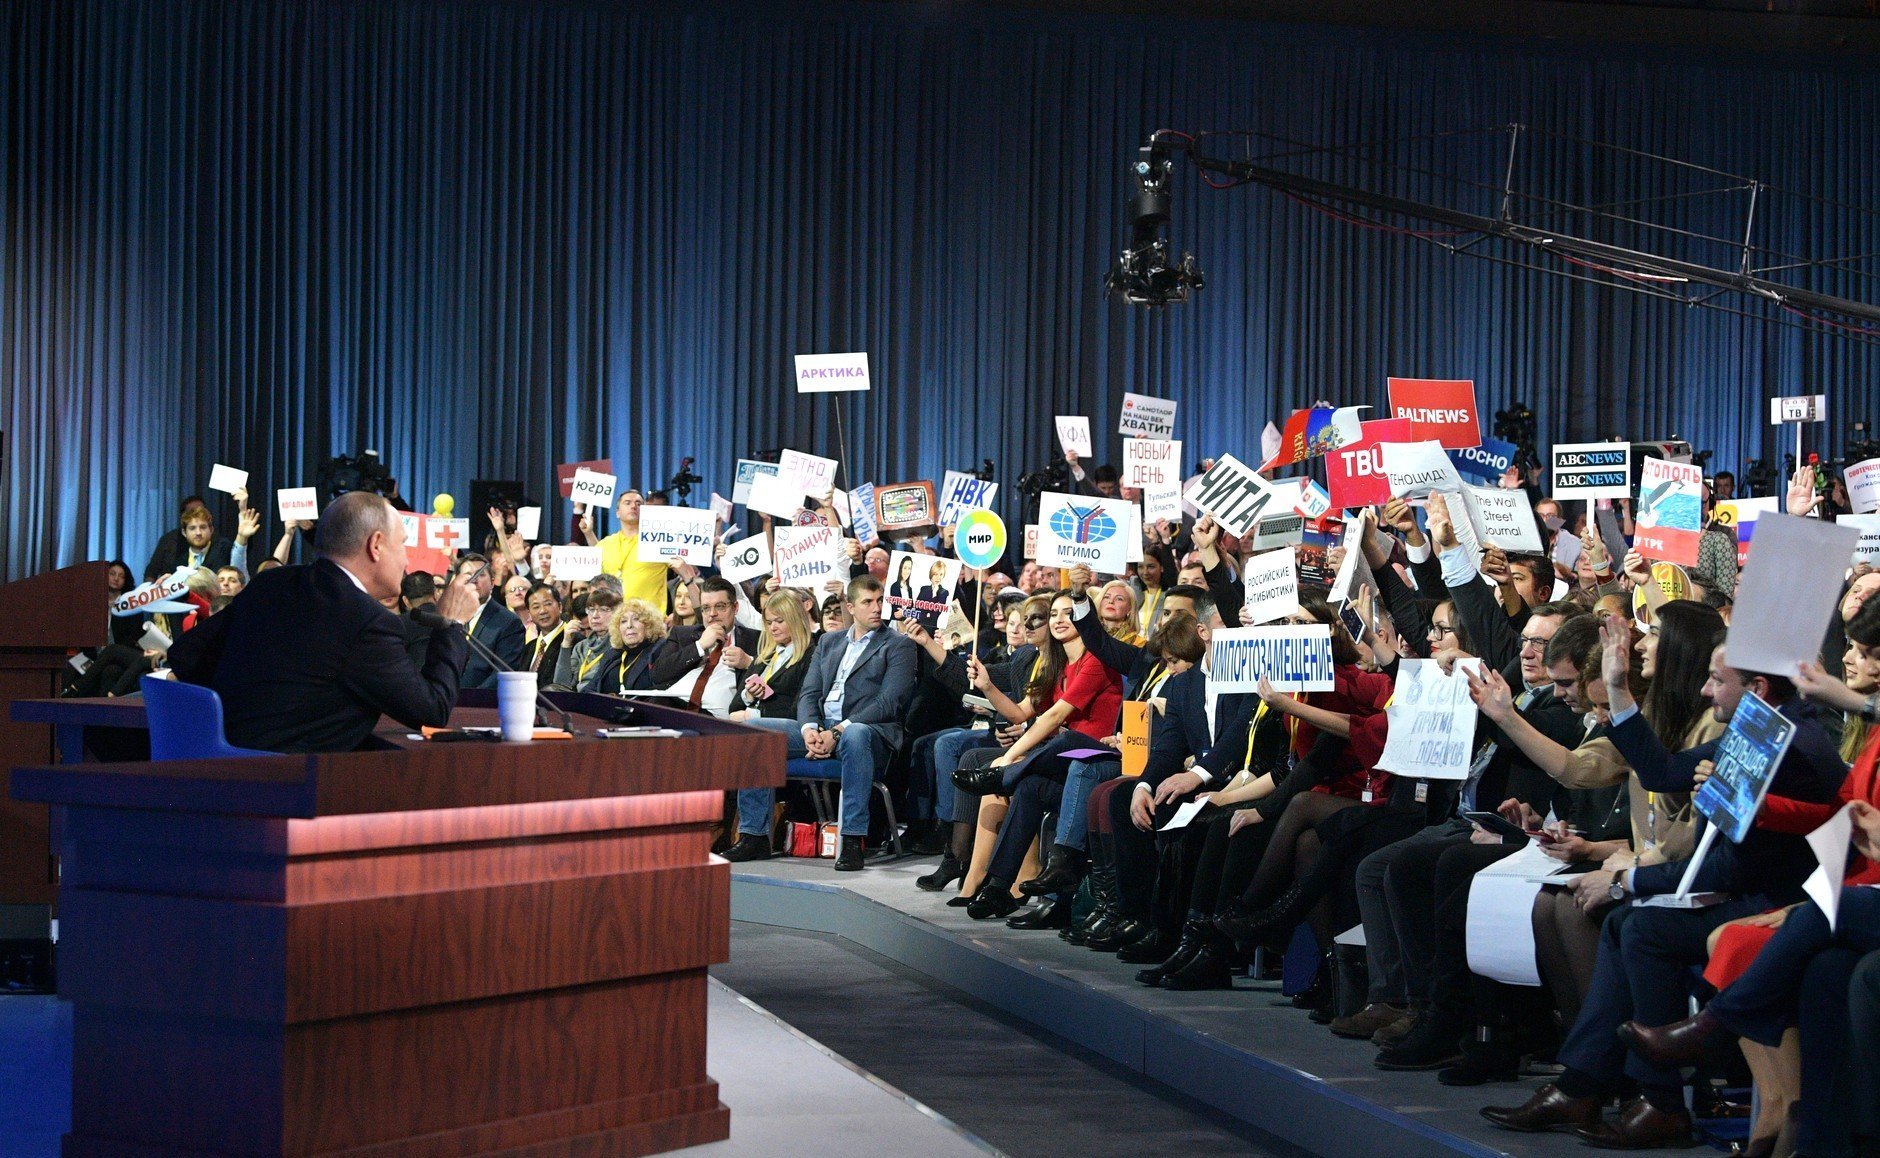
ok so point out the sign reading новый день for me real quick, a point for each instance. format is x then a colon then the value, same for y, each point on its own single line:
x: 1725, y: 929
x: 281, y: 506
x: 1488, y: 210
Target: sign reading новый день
x: 1291, y: 658
x: 1151, y: 462
x: 828, y: 373
x: 1593, y: 470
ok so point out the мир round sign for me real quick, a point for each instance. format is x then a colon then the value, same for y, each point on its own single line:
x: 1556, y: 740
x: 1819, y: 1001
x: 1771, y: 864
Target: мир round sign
x: 979, y: 538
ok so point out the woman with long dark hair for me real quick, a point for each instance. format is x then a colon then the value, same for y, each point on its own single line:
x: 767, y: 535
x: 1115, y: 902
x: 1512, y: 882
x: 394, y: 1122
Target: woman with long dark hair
x: 1673, y: 663
x: 1153, y: 575
x: 901, y: 590
x: 1077, y: 701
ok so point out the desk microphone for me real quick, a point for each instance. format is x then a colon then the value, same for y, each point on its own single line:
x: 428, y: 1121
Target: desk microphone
x: 427, y: 615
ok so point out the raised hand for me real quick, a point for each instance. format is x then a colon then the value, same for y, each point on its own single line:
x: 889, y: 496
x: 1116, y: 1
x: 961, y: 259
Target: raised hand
x: 1442, y: 531
x: 1802, y: 497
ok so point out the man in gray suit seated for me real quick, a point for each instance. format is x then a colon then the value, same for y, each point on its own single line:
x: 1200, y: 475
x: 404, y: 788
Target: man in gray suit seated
x: 850, y: 710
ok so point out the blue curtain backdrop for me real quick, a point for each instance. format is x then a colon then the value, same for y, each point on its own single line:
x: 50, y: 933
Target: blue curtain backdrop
x: 485, y: 238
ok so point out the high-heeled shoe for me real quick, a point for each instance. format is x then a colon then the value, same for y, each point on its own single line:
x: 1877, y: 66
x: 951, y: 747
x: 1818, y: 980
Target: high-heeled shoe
x: 948, y: 871
x: 993, y: 900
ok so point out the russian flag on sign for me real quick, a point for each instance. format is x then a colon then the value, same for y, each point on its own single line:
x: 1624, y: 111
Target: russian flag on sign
x: 1313, y: 432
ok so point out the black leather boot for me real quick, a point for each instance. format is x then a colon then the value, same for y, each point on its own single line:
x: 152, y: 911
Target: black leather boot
x: 1120, y: 932
x: 1210, y: 968
x: 1053, y: 914
x: 1149, y: 948
x: 1249, y: 928
x: 1194, y: 936
x: 1102, y: 890
x: 944, y: 874
x: 1063, y: 872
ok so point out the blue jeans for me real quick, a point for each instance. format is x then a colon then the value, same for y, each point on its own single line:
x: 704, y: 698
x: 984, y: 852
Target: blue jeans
x: 861, y: 753
x: 1079, y: 783
x: 948, y: 747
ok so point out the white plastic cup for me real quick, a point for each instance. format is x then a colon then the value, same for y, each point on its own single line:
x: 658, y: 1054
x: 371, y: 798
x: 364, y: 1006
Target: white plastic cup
x: 515, y: 704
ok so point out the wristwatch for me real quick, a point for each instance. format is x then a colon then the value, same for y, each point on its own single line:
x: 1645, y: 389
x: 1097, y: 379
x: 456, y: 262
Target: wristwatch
x: 1617, y: 891
x: 1870, y: 710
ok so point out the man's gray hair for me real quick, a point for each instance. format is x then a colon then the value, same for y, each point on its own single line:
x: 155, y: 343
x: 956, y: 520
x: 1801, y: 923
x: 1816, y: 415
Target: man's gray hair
x: 349, y: 520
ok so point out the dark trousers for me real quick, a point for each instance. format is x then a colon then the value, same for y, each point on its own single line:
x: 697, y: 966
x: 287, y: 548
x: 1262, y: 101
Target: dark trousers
x: 1226, y: 864
x: 1643, y: 975
x: 1031, y: 800
x: 1397, y: 901
x: 1451, y: 985
x: 1137, y: 852
x: 1860, y: 1078
x: 1806, y: 958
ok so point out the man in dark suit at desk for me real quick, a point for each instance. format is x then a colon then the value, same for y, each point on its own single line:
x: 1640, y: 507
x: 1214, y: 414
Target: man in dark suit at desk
x: 850, y: 709
x: 306, y: 659
x: 493, y: 625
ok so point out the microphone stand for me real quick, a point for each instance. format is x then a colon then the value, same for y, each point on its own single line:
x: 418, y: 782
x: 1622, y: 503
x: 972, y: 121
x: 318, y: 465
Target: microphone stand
x: 434, y: 619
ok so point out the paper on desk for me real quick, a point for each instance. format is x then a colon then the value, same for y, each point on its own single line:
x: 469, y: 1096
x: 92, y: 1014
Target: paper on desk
x: 1183, y: 815
x: 1830, y: 845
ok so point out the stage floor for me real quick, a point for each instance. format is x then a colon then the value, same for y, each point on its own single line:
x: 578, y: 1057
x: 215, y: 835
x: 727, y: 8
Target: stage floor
x: 787, y: 1093
x: 1248, y: 1053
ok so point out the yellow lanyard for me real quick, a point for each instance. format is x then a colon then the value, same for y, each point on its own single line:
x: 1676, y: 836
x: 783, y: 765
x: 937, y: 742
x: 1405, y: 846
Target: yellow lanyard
x: 542, y: 641
x: 1253, y: 730
x: 776, y: 661
x: 588, y: 665
x: 1158, y: 676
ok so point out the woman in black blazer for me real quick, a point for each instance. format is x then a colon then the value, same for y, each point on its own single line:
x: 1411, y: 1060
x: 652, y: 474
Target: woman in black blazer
x: 634, y: 640
x: 771, y: 688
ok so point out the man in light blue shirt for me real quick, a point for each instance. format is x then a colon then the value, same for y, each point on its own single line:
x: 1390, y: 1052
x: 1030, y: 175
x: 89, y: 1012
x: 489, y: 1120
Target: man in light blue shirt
x: 854, y: 696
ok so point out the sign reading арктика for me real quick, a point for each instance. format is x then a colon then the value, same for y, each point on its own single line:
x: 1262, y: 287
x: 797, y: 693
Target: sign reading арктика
x: 1593, y: 470
x: 827, y: 373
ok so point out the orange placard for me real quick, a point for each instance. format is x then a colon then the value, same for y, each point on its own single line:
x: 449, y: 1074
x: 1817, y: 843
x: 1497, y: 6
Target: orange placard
x: 1135, y: 737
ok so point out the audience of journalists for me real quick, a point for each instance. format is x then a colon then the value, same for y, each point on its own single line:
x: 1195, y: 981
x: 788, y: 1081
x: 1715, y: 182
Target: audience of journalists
x: 1601, y: 701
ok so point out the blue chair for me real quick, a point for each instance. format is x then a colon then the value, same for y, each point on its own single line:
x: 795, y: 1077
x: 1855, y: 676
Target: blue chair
x: 823, y: 778
x: 186, y: 722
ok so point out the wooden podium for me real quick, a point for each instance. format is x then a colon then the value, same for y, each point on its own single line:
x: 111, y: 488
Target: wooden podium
x: 48, y: 617
x: 434, y: 950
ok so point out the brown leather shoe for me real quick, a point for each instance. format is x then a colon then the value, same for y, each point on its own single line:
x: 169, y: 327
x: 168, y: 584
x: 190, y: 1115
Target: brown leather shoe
x: 1681, y: 1043
x: 1368, y: 1020
x: 1548, y: 1109
x: 1397, y: 1030
x: 1640, y: 1126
